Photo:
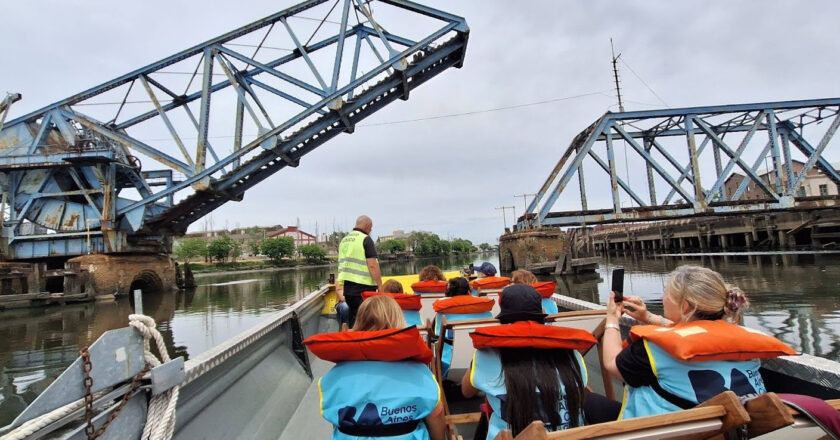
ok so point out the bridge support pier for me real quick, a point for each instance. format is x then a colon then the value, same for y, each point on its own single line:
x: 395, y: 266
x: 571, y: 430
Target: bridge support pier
x: 121, y: 274
x: 783, y: 242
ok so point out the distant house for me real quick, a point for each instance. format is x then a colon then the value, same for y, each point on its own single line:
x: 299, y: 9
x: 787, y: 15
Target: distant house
x: 815, y: 183
x: 298, y: 235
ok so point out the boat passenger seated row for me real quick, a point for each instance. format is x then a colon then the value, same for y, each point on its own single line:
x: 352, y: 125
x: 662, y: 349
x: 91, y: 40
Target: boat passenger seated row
x: 693, y: 345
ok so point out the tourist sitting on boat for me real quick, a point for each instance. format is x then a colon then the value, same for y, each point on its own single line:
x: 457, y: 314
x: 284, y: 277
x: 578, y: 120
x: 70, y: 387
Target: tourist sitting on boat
x: 431, y: 280
x: 458, y: 306
x: 409, y: 303
x: 528, y: 370
x: 702, y: 352
x: 544, y: 288
x: 486, y: 279
x: 381, y: 385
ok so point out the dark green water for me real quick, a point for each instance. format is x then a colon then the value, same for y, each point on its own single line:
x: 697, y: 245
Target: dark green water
x: 794, y: 297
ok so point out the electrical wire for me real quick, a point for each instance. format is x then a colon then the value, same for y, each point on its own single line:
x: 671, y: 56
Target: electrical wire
x: 488, y: 110
x: 645, y: 83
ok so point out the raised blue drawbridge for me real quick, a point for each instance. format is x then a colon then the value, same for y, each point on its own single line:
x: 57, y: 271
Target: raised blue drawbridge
x: 693, y: 162
x: 126, y: 165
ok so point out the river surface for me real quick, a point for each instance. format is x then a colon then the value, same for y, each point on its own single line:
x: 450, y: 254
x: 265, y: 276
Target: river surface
x: 795, y: 297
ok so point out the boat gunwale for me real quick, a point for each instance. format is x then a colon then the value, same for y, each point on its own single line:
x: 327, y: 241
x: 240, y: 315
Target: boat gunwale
x: 211, y: 358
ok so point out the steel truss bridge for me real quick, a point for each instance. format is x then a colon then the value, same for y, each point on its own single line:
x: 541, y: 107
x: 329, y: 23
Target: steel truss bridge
x: 689, y: 162
x: 124, y: 166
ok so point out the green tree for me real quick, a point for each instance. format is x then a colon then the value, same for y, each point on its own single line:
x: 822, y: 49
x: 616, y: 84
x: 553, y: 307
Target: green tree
x: 220, y: 248
x: 278, y: 248
x: 485, y: 247
x: 187, y: 248
x: 236, y: 248
x: 426, y: 244
x: 334, y: 239
x: 312, y: 253
x: 462, y: 246
x: 392, y: 246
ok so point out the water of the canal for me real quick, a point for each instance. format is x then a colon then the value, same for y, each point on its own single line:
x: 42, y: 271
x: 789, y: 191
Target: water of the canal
x: 794, y: 297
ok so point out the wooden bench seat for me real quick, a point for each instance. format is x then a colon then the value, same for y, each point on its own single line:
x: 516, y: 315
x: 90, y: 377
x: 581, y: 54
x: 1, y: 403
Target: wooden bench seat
x: 718, y: 415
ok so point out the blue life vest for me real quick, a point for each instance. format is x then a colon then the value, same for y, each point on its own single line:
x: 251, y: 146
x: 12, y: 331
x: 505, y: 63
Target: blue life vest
x: 694, y: 382
x: 375, y: 399
x: 549, y: 306
x: 412, y: 317
x: 487, y: 376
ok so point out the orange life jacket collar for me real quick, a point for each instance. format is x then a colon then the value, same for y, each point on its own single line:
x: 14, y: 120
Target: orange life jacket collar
x: 545, y: 288
x: 429, y: 286
x: 380, y: 345
x: 531, y: 334
x: 712, y: 341
x: 464, y: 304
x: 406, y: 301
x: 490, y: 282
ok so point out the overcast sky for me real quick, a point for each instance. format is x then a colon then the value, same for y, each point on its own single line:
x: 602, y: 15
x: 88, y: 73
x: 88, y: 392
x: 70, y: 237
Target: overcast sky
x: 448, y: 175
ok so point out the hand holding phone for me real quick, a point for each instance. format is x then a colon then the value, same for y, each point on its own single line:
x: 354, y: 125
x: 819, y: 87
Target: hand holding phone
x: 618, y: 284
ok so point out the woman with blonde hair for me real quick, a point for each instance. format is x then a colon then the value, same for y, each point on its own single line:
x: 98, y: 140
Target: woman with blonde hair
x: 701, y: 352
x: 379, y: 313
x: 381, y: 385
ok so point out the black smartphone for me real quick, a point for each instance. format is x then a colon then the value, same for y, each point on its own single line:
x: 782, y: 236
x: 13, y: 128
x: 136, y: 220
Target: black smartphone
x: 618, y: 284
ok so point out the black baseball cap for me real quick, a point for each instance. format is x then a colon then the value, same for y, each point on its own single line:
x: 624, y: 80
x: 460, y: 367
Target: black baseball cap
x: 520, y: 302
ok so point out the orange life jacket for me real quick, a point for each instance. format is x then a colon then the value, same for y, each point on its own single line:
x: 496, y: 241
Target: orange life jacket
x: 406, y: 301
x: 545, y: 288
x: 429, y: 286
x: 380, y: 345
x: 712, y: 341
x: 531, y: 334
x: 464, y: 304
x: 490, y: 282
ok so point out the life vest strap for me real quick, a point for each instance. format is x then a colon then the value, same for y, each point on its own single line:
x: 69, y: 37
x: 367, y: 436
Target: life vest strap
x: 671, y: 397
x: 391, y: 430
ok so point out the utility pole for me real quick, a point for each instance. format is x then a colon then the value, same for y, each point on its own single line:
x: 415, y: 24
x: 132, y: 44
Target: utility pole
x: 615, y: 75
x: 525, y: 203
x: 504, y: 213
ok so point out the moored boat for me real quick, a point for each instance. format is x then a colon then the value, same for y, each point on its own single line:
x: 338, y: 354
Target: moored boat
x: 262, y: 383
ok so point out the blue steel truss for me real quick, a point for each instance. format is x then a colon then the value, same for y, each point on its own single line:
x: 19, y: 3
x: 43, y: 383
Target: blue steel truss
x: 74, y: 174
x: 760, y: 173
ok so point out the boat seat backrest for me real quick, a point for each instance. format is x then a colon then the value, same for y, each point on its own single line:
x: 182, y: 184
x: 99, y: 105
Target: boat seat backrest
x: 462, y: 346
x: 427, y: 311
x: 713, y: 418
x: 588, y: 320
x: 496, y: 306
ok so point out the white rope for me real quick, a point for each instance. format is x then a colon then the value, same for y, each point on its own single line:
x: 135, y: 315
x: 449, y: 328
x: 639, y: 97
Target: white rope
x: 160, y: 420
x: 32, y: 426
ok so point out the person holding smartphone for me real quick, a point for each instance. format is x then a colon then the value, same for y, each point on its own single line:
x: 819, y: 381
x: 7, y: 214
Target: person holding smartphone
x: 702, y: 352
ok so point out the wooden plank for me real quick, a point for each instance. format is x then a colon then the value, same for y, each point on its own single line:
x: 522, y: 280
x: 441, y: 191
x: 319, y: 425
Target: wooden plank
x: 459, y: 419
x: 736, y: 414
x: 767, y: 414
x: 640, y: 423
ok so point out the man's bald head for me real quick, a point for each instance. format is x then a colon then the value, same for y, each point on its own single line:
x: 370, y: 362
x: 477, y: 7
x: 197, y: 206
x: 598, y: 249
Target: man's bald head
x: 364, y: 223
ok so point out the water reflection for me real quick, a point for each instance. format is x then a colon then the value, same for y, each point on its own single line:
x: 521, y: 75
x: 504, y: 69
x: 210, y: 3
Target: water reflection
x: 794, y: 297
x: 36, y: 345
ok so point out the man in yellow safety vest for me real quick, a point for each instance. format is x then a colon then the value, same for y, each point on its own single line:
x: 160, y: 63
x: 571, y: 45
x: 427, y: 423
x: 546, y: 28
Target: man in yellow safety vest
x: 358, y: 268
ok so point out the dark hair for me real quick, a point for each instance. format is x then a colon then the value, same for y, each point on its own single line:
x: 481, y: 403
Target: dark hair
x: 530, y: 369
x: 457, y: 286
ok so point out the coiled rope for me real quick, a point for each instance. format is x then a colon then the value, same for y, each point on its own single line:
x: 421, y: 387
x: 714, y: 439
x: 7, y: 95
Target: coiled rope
x: 160, y: 419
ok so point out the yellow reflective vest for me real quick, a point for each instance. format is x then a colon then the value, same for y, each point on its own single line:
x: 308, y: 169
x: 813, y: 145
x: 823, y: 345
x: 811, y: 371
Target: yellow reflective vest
x: 352, y: 264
